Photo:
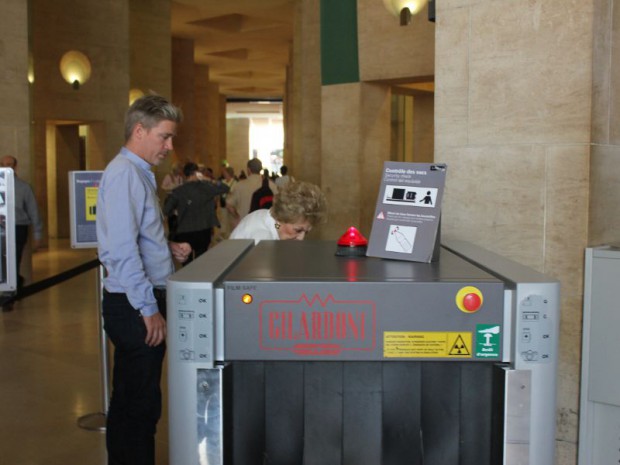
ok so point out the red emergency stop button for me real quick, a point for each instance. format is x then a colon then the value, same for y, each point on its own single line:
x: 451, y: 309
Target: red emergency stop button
x: 469, y: 299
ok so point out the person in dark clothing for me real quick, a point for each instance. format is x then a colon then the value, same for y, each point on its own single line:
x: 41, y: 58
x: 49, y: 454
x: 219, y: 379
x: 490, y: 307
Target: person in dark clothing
x: 194, y: 202
x: 263, y: 196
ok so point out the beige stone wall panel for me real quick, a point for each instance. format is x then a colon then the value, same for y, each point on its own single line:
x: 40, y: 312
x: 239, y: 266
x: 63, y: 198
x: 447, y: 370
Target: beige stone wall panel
x: 566, y: 214
x: 494, y: 197
x: 452, y: 81
x: 604, y: 221
x: 568, y: 380
x: 390, y: 51
x: 614, y: 78
x: 202, y: 117
x: 530, y: 72
x: 87, y: 29
x: 13, y: 70
x: 303, y: 154
x: 374, y: 131
x: 151, y: 46
x: 601, y: 70
x: 184, y: 96
x: 15, y: 117
x: 237, y: 143
x: 342, y: 182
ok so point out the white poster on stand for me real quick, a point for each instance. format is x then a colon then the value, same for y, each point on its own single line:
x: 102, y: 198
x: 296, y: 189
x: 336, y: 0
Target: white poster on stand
x: 8, y: 270
x: 408, y: 211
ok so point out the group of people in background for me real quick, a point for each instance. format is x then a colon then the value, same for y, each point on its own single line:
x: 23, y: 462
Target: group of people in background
x: 202, y: 210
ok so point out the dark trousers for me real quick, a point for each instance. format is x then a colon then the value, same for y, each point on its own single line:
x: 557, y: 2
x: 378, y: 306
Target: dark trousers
x: 21, y: 237
x: 135, y: 404
x: 199, y: 240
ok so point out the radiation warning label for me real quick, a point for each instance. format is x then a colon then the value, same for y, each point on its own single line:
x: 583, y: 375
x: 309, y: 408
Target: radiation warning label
x: 434, y: 344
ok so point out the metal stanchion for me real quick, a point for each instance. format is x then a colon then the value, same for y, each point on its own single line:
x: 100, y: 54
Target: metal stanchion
x: 97, y: 421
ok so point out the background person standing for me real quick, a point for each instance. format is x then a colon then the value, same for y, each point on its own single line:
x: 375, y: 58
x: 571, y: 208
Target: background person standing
x: 138, y: 260
x: 239, y: 200
x: 194, y: 201
x: 26, y: 214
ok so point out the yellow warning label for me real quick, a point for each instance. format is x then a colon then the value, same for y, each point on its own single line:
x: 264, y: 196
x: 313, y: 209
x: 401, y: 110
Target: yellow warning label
x: 90, y: 200
x: 435, y: 344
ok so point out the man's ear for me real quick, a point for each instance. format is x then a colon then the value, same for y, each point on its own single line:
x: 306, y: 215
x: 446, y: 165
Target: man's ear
x: 139, y: 130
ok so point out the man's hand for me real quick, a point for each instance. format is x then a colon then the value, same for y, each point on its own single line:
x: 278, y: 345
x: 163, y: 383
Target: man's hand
x: 155, y: 329
x: 180, y: 250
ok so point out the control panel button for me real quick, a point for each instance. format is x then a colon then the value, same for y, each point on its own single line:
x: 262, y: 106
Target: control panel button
x: 469, y: 299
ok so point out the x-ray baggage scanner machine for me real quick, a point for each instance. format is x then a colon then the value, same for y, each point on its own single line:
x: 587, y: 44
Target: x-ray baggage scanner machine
x: 284, y: 353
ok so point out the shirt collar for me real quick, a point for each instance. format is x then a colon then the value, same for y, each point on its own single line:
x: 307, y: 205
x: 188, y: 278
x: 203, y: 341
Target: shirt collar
x: 135, y: 159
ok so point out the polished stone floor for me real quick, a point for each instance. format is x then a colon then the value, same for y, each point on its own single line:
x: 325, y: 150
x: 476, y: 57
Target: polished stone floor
x: 50, y: 373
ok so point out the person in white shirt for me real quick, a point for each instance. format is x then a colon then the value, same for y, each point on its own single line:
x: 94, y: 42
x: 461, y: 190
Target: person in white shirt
x: 297, y: 208
x: 239, y: 199
x: 284, y: 179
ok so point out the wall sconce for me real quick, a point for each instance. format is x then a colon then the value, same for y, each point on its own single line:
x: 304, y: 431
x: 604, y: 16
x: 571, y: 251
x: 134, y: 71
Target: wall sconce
x: 135, y: 94
x: 75, y: 68
x: 30, y: 69
x: 404, y: 9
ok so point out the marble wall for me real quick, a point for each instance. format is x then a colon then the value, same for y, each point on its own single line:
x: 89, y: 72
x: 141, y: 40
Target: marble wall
x: 604, y: 224
x: 512, y: 121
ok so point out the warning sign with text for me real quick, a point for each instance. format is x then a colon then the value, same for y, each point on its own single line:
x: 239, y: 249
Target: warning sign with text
x: 431, y: 344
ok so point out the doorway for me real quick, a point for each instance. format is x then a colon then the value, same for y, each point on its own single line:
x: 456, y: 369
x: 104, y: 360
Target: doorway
x: 412, y: 122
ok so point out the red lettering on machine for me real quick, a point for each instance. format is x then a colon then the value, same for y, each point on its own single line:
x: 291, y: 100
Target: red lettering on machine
x: 317, y: 326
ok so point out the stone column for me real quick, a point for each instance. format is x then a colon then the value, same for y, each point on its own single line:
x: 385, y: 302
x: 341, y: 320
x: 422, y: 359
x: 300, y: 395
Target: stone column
x: 304, y: 110
x: 16, y: 114
x: 184, y: 96
x: 355, y: 124
x: 512, y: 122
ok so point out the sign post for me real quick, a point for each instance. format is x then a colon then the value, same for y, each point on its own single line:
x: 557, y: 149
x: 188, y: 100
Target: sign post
x: 83, y: 190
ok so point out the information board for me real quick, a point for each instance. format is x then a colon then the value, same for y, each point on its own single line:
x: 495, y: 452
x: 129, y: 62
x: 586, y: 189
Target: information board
x: 408, y: 212
x: 83, y: 190
x: 8, y: 270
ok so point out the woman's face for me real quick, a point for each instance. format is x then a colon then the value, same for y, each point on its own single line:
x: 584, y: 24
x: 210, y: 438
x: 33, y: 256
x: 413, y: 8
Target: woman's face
x: 294, y: 231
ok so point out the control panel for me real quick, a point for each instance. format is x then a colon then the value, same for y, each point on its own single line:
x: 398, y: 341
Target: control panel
x: 535, y: 330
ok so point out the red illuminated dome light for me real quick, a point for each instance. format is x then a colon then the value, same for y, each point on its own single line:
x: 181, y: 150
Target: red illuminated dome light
x: 352, y: 244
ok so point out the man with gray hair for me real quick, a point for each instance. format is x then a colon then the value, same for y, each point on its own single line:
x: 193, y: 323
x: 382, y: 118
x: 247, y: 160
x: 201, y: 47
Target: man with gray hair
x: 138, y: 259
x: 239, y: 200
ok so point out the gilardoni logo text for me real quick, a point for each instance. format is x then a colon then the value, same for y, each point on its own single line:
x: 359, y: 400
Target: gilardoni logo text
x: 316, y: 326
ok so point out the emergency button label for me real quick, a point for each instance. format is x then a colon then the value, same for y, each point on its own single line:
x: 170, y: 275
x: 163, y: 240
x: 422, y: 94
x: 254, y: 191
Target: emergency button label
x: 434, y: 344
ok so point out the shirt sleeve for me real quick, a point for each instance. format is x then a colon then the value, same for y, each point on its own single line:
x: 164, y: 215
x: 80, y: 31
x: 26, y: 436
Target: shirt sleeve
x: 33, y: 213
x: 122, y: 203
x: 217, y: 188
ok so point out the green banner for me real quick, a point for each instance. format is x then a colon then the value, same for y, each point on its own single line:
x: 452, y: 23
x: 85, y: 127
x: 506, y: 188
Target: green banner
x: 339, y: 54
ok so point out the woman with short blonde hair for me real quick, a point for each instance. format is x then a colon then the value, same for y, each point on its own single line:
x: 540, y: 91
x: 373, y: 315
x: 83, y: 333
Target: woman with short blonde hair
x: 297, y: 208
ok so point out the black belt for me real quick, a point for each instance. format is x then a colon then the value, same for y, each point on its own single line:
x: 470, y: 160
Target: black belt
x: 159, y: 292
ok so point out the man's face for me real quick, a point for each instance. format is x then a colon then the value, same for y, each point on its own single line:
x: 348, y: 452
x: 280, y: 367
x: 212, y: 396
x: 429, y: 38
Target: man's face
x: 155, y: 144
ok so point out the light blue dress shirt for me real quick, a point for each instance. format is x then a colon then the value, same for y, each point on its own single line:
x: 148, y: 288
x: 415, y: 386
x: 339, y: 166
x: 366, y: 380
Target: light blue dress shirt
x: 130, y: 232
